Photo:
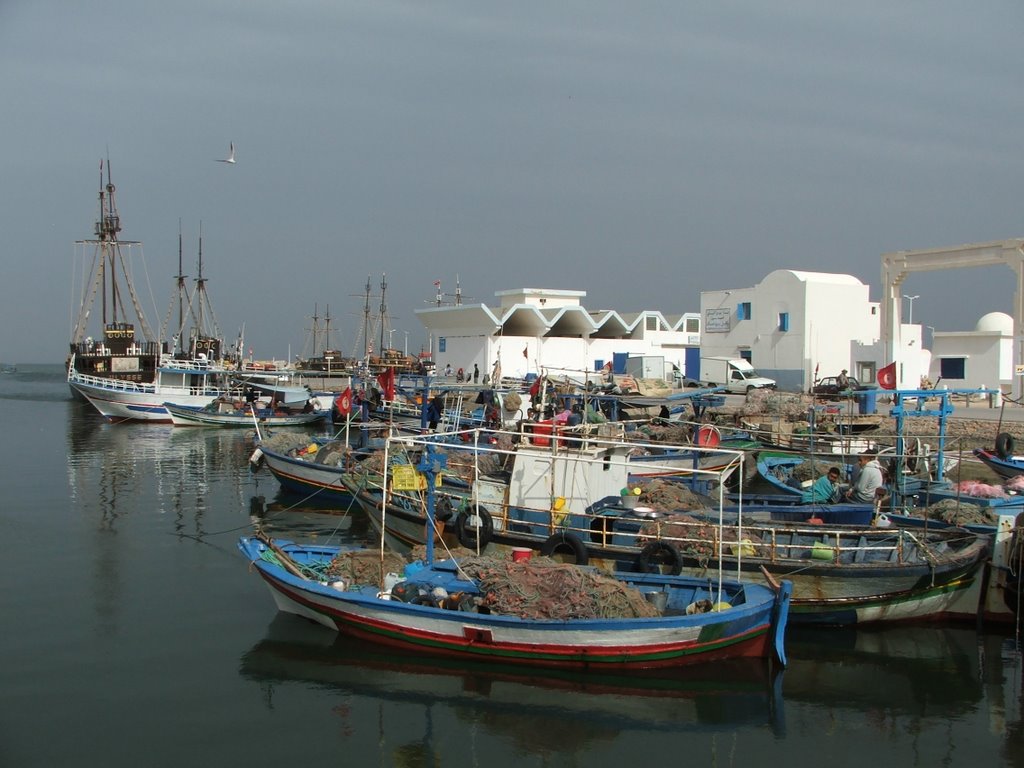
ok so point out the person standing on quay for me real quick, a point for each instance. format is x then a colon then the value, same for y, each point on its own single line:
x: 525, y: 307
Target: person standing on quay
x: 476, y: 373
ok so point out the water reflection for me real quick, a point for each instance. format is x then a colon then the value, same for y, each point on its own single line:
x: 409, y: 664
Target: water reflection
x: 922, y: 669
x: 132, y: 469
x: 525, y: 705
x: 292, y: 517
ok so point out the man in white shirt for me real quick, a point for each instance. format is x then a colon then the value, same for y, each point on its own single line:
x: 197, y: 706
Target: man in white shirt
x: 869, y: 478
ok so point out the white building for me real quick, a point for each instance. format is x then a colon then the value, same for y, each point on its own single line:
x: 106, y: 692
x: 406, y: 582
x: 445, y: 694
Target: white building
x: 975, y: 359
x: 792, y: 323
x: 533, y: 329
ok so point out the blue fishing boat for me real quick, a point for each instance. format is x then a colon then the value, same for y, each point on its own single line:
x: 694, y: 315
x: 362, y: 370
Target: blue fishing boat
x: 560, y: 503
x: 544, y: 614
x: 448, y: 613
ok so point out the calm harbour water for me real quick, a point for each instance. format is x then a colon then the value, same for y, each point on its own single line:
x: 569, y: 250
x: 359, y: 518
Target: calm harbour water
x: 134, y: 634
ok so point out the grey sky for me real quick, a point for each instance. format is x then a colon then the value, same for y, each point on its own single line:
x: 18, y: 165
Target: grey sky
x: 641, y: 152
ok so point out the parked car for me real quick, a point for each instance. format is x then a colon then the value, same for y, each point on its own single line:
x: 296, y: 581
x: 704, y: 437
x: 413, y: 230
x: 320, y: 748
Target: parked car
x: 828, y: 387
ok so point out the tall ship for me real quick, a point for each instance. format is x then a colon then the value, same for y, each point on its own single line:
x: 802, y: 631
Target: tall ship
x: 130, y: 375
x: 119, y: 343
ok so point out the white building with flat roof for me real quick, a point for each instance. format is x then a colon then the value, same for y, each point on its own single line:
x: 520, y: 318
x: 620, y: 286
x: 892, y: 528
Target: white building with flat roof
x: 794, y: 323
x: 531, y: 329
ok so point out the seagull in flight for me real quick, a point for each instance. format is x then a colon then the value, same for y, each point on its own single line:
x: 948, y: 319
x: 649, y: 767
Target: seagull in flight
x: 231, y: 155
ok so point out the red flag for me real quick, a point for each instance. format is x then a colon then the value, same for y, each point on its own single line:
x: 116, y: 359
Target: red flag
x: 343, y: 402
x: 437, y: 283
x: 526, y: 351
x: 387, y: 383
x: 535, y: 387
x: 887, y: 376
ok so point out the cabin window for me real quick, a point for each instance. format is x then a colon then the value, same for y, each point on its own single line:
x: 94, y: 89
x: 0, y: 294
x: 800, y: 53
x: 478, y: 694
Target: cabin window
x: 783, y: 321
x: 743, y: 311
x: 441, y: 344
x: 952, y: 367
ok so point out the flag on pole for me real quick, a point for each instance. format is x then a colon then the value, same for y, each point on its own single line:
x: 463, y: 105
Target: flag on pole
x: 887, y: 376
x: 437, y: 283
x: 387, y: 383
x: 526, y: 351
x: 343, y: 402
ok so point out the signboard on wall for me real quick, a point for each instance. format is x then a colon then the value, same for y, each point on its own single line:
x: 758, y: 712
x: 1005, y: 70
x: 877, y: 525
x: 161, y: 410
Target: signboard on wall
x: 717, y: 320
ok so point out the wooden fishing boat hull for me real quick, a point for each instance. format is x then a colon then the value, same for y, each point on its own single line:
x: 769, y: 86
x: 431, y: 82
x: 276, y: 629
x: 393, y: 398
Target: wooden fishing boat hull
x: 182, y: 416
x: 753, y: 626
x: 840, y: 576
x: 1004, y: 467
x: 307, y: 478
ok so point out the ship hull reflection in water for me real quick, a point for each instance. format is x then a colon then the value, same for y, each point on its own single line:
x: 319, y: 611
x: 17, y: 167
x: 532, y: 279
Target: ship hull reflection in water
x: 517, y: 703
x: 895, y: 690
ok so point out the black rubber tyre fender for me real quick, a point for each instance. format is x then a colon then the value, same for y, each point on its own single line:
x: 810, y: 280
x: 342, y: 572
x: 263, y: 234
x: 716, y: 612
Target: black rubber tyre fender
x: 660, y: 553
x: 1004, y: 445
x: 565, y: 541
x: 469, y: 535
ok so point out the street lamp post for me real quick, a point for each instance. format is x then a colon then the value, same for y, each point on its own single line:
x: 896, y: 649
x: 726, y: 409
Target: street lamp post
x: 910, y: 312
x: 406, y: 351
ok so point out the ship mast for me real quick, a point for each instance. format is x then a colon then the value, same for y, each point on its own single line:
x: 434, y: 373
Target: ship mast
x: 109, y: 270
x: 182, y: 289
x: 383, y: 310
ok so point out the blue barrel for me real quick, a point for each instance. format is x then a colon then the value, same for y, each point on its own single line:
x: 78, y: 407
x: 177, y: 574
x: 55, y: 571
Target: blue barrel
x: 867, y: 401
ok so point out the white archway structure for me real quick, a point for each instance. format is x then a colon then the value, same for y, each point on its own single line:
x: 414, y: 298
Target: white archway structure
x: 896, y: 266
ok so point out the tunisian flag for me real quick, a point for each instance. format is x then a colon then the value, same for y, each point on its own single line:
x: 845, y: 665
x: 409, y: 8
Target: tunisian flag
x: 887, y: 376
x: 343, y: 402
x: 387, y: 383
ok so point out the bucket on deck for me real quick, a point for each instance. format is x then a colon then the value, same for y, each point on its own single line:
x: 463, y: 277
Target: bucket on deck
x: 658, y: 599
x: 521, y: 554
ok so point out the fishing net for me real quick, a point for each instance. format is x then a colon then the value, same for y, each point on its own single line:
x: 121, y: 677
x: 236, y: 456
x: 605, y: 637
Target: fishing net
x: 286, y: 442
x: 542, y: 588
x: 955, y: 513
x: 697, y: 538
x: 667, y: 496
x: 364, y: 566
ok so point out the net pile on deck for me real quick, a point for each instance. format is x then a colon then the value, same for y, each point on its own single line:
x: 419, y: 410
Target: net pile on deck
x: 542, y: 588
x: 364, y: 566
x: 960, y: 513
x: 666, y: 496
x: 286, y: 442
x: 698, y: 538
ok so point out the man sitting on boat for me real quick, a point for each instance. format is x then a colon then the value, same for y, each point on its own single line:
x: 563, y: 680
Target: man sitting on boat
x: 868, y: 479
x: 825, y: 489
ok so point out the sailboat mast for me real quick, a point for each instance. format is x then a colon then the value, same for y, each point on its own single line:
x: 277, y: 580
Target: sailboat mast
x: 366, y: 321
x: 383, y: 309
x: 182, y: 290
x: 200, y: 293
x: 316, y: 327
x: 327, y: 329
